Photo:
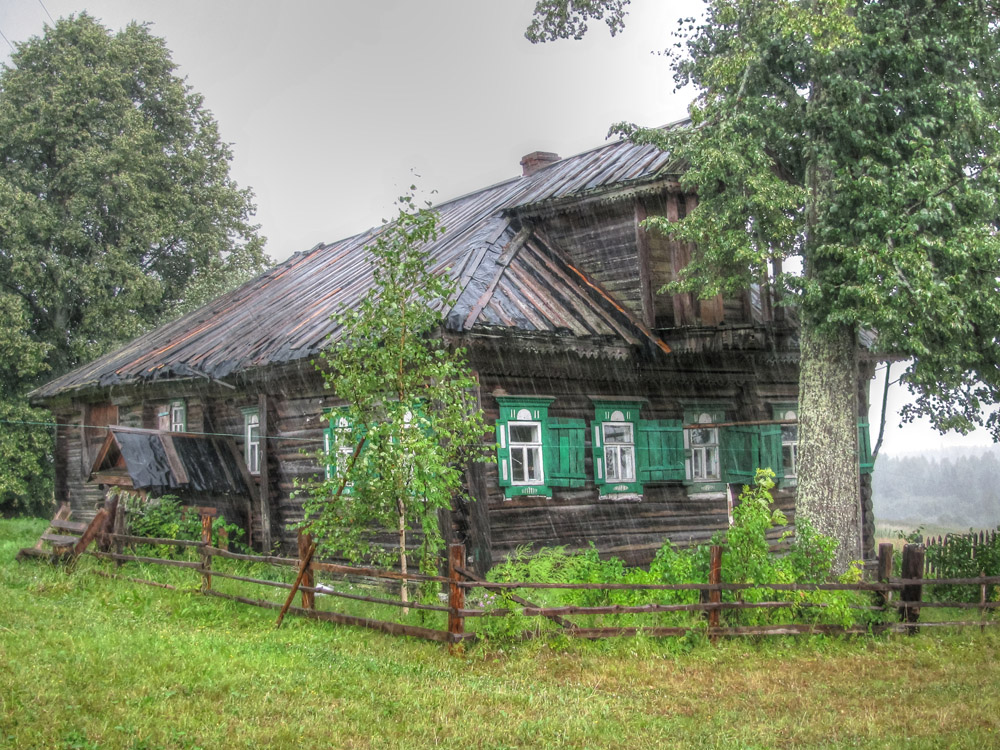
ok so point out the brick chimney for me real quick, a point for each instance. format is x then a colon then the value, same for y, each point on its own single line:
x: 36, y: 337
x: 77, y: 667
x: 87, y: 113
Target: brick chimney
x: 534, y: 161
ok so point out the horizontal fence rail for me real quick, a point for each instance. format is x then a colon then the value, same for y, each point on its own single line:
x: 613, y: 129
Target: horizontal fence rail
x: 899, y: 596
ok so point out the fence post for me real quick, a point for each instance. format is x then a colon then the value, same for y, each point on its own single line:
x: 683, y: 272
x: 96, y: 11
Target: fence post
x: 456, y: 594
x: 206, y: 558
x: 982, y: 603
x: 714, y: 596
x: 104, y: 540
x: 885, y: 552
x: 913, y: 568
x: 308, y: 597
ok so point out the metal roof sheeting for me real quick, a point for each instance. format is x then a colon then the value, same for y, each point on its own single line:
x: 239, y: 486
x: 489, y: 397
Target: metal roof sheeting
x: 284, y: 314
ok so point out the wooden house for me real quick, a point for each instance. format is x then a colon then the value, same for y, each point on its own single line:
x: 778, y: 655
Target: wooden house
x: 624, y: 417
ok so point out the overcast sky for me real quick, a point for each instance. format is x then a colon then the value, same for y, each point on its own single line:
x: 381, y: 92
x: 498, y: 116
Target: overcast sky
x: 333, y: 108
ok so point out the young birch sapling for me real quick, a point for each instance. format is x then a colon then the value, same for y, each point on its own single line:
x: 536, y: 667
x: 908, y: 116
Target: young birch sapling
x: 408, y: 396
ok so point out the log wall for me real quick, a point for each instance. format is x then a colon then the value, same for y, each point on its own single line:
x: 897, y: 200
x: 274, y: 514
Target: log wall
x: 630, y: 529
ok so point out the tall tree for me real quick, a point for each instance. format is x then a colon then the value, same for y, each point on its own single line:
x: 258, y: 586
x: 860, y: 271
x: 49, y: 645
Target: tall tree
x: 860, y: 137
x: 410, y: 404
x: 116, y: 204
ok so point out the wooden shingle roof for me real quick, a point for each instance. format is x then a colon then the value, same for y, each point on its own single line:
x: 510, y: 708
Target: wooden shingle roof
x: 508, y: 279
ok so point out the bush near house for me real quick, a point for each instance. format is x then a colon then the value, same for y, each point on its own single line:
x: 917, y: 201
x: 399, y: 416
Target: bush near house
x: 746, y: 558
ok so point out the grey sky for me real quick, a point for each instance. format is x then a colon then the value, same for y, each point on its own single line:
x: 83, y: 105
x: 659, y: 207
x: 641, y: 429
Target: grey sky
x: 333, y: 107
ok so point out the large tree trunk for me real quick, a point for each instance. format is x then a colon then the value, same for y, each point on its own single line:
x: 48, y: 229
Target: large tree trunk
x: 828, y: 485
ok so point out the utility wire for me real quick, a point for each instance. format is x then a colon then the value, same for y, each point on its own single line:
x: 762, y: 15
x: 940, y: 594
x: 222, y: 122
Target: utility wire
x: 8, y: 41
x: 186, y: 432
x: 47, y: 12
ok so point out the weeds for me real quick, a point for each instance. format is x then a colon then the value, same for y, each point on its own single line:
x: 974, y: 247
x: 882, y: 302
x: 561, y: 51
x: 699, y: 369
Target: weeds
x: 97, y: 663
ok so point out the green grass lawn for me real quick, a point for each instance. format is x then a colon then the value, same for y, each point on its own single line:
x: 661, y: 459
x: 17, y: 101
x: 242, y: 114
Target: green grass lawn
x: 87, y: 662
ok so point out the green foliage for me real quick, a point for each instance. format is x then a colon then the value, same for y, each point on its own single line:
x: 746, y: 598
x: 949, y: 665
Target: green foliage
x: 117, y: 201
x: 164, y: 518
x: 564, y: 19
x: 861, y: 139
x: 178, y: 670
x: 116, y: 209
x: 746, y: 558
x: 409, y: 398
x: 962, y: 557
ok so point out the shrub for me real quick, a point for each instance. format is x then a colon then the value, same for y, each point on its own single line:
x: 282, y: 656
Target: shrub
x: 164, y: 518
x: 961, y: 557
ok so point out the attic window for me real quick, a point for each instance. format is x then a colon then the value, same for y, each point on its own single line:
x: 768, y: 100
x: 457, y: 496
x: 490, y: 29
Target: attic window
x: 172, y: 417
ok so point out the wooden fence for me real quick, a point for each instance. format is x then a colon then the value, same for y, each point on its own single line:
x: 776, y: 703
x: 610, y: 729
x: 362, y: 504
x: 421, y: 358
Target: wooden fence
x: 973, y: 539
x: 899, y: 598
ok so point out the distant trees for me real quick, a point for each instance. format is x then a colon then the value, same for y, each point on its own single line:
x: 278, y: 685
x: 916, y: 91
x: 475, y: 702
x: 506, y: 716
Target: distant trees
x: 117, y: 210
x: 959, y: 491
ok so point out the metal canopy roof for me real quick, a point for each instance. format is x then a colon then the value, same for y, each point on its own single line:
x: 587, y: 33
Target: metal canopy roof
x: 171, y: 462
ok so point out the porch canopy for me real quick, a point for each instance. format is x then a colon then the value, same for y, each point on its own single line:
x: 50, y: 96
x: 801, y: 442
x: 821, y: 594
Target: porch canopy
x: 164, y: 462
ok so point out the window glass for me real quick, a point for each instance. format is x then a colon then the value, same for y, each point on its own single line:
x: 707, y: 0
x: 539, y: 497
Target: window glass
x: 178, y: 416
x: 704, y: 444
x: 619, y: 452
x: 525, y: 453
x: 790, y: 446
x: 251, y: 434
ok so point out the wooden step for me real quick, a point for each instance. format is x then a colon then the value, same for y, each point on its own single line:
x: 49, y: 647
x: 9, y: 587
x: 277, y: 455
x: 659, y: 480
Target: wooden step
x: 33, y: 552
x: 60, y: 540
x: 77, y: 527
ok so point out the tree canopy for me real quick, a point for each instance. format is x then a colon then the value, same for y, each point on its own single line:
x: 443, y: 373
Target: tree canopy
x: 860, y: 137
x: 410, y: 402
x: 117, y: 209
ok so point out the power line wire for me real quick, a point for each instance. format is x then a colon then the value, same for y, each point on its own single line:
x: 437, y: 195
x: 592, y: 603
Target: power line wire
x: 8, y: 41
x: 23, y: 422
x: 47, y: 12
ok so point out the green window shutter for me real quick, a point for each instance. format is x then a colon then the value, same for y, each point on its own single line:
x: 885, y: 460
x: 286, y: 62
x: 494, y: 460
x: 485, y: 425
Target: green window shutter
x: 770, y: 450
x: 865, y: 448
x: 660, y: 450
x: 564, y: 453
x: 503, y: 455
x: 739, y: 446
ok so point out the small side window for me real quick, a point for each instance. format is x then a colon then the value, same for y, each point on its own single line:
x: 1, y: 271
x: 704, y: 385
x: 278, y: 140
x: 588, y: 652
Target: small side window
x: 177, y: 416
x: 789, y: 445
x: 251, y: 439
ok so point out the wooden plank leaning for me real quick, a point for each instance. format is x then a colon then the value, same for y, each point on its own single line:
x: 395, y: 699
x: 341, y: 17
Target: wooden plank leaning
x: 306, y: 559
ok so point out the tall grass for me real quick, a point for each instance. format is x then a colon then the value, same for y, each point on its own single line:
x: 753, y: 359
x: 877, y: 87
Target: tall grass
x: 87, y: 662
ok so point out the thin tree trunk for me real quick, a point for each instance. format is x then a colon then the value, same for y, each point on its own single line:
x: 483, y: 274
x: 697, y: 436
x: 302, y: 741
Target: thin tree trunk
x: 829, y: 492
x: 403, y: 594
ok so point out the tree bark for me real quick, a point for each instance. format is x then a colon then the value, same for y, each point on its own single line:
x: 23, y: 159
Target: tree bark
x: 403, y: 594
x: 829, y: 492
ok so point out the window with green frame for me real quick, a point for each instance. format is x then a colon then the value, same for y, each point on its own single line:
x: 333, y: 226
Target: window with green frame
x: 536, y: 452
x: 789, y: 439
x: 337, y: 439
x: 629, y: 451
x: 702, y: 445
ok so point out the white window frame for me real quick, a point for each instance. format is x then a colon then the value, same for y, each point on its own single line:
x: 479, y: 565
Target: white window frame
x: 613, y: 451
x: 791, y: 443
x: 175, y: 408
x: 524, y: 447
x: 704, y: 456
x: 251, y: 445
x: 344, y: 449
